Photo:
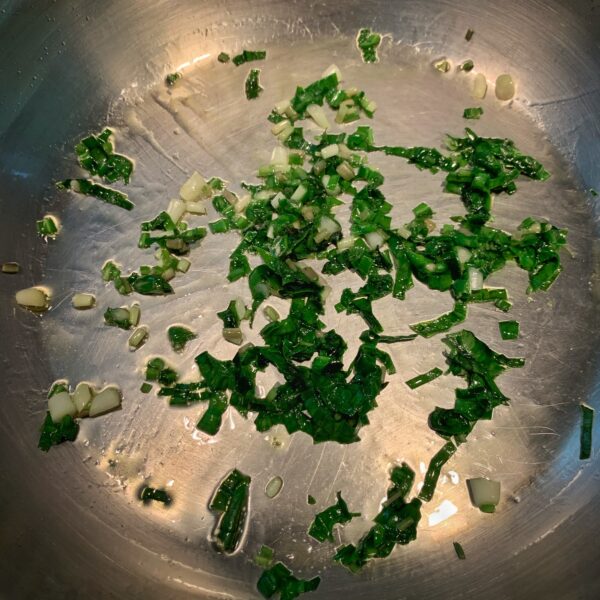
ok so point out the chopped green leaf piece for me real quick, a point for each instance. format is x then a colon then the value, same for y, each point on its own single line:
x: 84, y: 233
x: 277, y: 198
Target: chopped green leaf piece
x: 47, y: 227
x: 95, y: 154
x: 151, y: 285
x: 248, y: 56
x: 110, y: 271
x: 223, y: 57
x: 146, y: 388
x: 467, y: 66
x: 587, y: 421
x: 172, y: 78
x: 279, y: 580
x: 53, y: 433
x: 472, y: 113
x: 231, y: 501
x: 210, y: 423
x: 179, y: 337
x: 424, y: 378
x: 310, y: 500
x: 440, y: 458
x: 252, y: 85
x: 441, y: 323
x: 396, y: 523
x: 88, y: 188
x: 469, y: 35
x: 157, y: 370
x: 459, y: 551
x: 264, y: 558
x: 322, y: 527
x: 368, y: 41
x: 154, y: 494
x: 509, y: 330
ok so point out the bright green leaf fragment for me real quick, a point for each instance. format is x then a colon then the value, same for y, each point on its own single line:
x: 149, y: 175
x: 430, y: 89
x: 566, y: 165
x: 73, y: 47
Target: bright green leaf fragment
x: 443, y: 322
x: 424, y: 378
x: 231, y: 501
x: 509, y: 330
x: 264, y: 558
x: 252, y: 85
x: 172, y: 78
x: 248, y: 56
x: 179, y: 336
x: 149, y: 494
x: 95, y: 154
x: 322, y: 527
x: 396, y: 523
x: 53, y: 433
x: 467, y: 66
x: 472, y: 113
x: 459, y: 551
x: 47, y: 227
x: 587, y: 421
x: 368, y: 41
x: 223, y: 57
x: 280, y: 580
x: 88, y: 188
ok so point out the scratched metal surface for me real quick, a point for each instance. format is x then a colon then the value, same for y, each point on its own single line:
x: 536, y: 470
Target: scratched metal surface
x: 71, y: 524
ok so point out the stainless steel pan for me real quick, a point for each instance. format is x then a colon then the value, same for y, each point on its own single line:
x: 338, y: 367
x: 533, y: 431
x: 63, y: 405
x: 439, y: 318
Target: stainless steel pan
x: 71, y: 524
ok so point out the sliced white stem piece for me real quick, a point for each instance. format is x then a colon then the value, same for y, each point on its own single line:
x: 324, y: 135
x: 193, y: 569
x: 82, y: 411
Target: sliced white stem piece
x: 285, y: 133
x: 271, y: 314
x: 279, y: 156
x: 233, y: 335
x: 479, y: 86
x: 505, y: 87
x: 183, y: 265
x: 317, y: 114
x: 196, y: 208
x: 60, y: 405
x: 403, y: 232
x: 176, y: 209
x: 242, y: 203
x: 82, y: 301
x: 485, y: 493
x: 279, y: 127
x: 299, y: 193
x: 240, y: 309
x: 329, y: 151
x: 105, y: 401
x: 475, y: 279
x: 33, y: 298
x: 82, y: 398
x: 463, y: 254
x: 375, y: 239
x: 138, y: 337
x: 168, y: 274
x: 194, y: 189
x: 345, y: 243
x: 327, y: 227
x: 345, y: 171
x: 282, y: 106
x: 308, y: 212
x: 135, y: 312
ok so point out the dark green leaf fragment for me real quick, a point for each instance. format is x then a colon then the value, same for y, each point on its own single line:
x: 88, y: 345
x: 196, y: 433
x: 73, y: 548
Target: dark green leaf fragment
x: 172, y: 78
x: 231, y: 500
x: 439, y: 459
x: 223, y: 57
x: 467, y: 66
x: 509, y: 330
x: 179, y: 336
x: 248, y: 56
x: 424, y: 378
x: 368, y: 41
x: 469, y: 35
x: 587, y: 421
x: 472, y: 113
x: 95, y: 154
x: 146, y: 388
x: 151, y: 285
x: 210, y: 423
x: 252, y: 85
x: 321, y: 528
x: 459, y: 551
x: 279, y: 580
x: 149, y: 494
x: 396, y: 523
x: 158, y: 370
x: 310, y: 500
x: 53, y: 433
x: 89, y: 188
